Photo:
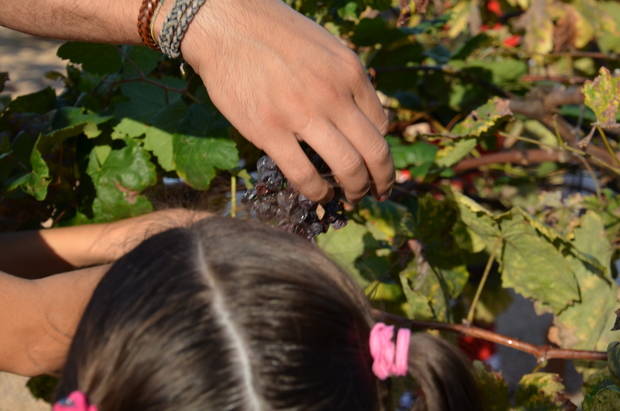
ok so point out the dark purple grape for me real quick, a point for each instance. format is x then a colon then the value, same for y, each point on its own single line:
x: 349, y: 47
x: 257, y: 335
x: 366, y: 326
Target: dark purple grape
x: 265, y: 163
x: 274, y: 201
x: 298, y: 215
x: 339, y: 223
x: 273, y: 180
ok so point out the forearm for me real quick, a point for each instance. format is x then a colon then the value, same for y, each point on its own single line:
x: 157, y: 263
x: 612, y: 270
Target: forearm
x: 38, y: 319
x: 108, y: 21
x: 33, y: 254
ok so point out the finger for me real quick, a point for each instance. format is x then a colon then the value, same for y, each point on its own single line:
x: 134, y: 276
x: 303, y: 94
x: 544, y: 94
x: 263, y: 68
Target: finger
x: 366, y: 98
x: 371, y: 146
x: 346, y: 164
x: 298, y: 169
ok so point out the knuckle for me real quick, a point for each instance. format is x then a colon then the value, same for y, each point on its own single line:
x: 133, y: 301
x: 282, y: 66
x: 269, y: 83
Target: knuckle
x: 379, y: 152
x: 351, y: 164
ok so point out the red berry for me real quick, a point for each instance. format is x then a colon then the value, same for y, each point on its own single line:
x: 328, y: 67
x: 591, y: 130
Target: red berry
x: 512, y: 41
x: 494, y: 7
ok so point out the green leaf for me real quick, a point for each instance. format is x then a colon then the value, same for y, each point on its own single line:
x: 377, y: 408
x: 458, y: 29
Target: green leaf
x: 492, y: 388
x: 576, y: 327
x: 613, y: 358
x: 71, y: 116
x: 483, y: 118
x: 452, y: 154
x: 386, y: 219
x: 141, y: 60
x: 96, y: 58
x: 197, y: 158
x: 345, y: 246
x: 541, y: 391
x: 119, y: 180
x: 4, y: 77
x: 39, y: 177
x: 157, y: 141
x: 369, y: 32
x: 534, y: 267
x: 481, y: 226
x: 601, y: 393
x: 40, y: 102
x: 602, y: 95
x: 148, y: 102
x: 415, y: 154
x: 36, y: 182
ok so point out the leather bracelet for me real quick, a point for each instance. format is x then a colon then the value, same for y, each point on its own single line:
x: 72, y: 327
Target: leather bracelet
x: 144, y: 23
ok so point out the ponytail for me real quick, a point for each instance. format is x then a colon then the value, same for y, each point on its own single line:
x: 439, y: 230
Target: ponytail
x: 443, y: 374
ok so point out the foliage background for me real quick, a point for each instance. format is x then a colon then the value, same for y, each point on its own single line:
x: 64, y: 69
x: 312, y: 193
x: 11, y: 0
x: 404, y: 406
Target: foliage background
x: 503, y: 130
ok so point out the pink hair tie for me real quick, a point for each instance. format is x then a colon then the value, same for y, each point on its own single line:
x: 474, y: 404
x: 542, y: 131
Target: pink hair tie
x: 389, y: 358
x: 76, y: 401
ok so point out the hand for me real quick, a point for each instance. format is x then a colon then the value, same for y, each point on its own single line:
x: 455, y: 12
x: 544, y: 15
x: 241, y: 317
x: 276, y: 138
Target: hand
x: 278, y: 77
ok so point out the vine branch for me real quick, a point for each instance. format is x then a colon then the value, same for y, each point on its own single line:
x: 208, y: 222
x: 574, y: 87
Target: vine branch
x: 541, y: 352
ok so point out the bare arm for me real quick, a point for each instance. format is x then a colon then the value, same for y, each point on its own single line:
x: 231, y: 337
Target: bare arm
x: 33, y: 254
x: 38, y: 318
x: 105, y: 21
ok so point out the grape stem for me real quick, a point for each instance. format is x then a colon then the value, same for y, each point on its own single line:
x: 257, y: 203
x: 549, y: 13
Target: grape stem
x: 541, y: 352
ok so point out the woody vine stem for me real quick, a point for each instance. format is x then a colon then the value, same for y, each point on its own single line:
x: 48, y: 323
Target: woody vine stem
x: 541, y: 352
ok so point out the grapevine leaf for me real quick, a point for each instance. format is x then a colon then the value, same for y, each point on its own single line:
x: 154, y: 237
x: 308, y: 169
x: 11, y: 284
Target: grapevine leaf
x: 119, y: 180
x: 601, y: 393
x: 452, y: 154
x: 504, y: 72
x: 37, y: 180
x: 576, y: 327
x: 386, y: 220
x: 613, y: 358
x: 415, y: 154
x: 481, y: 226
x: 423, y: 292
x: 534, y: 267
x: 538, y: 37
x: 602, y: 95
x: 71, y: 116
x: 148, y: 102
x: 157, y: 141
x: 4, y: 77
x: 541, y: 391
x: 345, y: 246
x: 142, y: 60
x: 196, y: 158
x: 483, y: 118
x: 95, y: 58
x: 40, y: 102
x: 369, y: 32
x: 492, y: 388
x: 616, y: 326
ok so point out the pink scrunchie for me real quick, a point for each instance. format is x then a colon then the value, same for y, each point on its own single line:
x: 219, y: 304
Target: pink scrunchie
x: 76, y: 401
x: 389, y: 358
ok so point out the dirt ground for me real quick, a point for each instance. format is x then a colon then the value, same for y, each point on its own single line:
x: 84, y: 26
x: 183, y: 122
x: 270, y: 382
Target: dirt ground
x: 27, y: 58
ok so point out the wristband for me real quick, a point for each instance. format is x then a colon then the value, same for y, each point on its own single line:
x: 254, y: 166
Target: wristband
x: 176, y: 25
x: 145, y: 17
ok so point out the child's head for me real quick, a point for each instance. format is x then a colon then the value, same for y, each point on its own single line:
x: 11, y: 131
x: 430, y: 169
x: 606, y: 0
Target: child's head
x: 233, y: 315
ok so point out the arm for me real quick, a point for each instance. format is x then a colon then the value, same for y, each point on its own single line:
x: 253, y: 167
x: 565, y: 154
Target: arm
x: 38, y: 319
x: 33, y: 254
x: 274, y: 74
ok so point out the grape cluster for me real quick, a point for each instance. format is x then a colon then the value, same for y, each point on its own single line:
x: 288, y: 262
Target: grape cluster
x: 272, y: 200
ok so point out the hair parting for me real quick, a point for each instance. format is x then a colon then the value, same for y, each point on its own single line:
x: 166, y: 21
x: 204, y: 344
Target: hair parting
x: 233, y: 315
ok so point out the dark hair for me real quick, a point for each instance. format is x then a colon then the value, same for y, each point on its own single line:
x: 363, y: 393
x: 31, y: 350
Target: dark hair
x: 234, y: 315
